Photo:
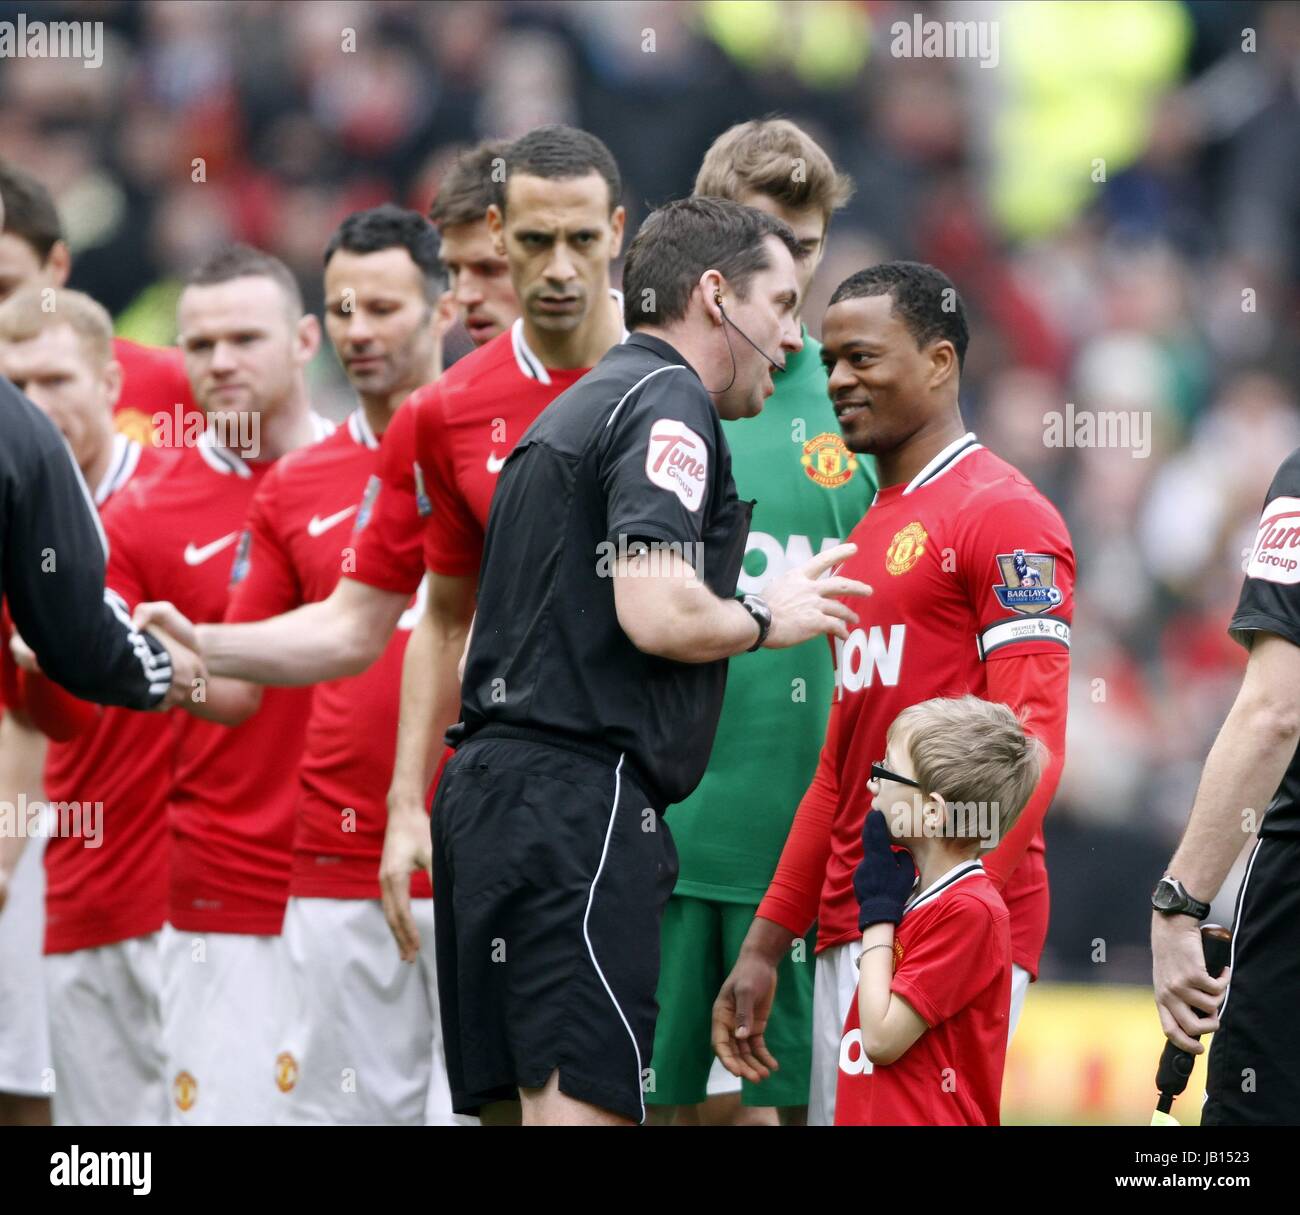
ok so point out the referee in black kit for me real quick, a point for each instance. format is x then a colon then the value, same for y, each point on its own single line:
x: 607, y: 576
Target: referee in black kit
x: 1254, y: 1069
x: 594, y: 677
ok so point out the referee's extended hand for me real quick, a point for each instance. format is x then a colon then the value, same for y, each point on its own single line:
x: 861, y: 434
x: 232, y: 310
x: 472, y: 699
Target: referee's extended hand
x: 805, y: 605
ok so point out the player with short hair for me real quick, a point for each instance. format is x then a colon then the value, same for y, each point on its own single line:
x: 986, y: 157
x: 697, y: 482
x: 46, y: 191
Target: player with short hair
x: 231, y: 799
x: 949, y: 616
x: 480, y: 276
x: 34, y: 252
x: 105, y: 885
x: 360, y: 1040
x: 925, y: 1041
x: 810, y: 491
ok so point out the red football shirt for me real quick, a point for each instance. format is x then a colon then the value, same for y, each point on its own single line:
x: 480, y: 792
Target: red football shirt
x: 952, y: 963
x: 440, y: 463
x: 153, y: 381
x: 299, y: 543
x: 231, y: 800
x: 99, y: 890
x: 949, y: 615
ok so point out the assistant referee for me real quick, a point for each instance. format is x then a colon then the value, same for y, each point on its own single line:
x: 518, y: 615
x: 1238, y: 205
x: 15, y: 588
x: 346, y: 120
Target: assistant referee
x: 1254, y: 1068
x: 594, y: 678
x: 52, y: 552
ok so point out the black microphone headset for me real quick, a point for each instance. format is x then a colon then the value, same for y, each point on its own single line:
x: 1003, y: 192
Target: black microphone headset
x: 717, y: 299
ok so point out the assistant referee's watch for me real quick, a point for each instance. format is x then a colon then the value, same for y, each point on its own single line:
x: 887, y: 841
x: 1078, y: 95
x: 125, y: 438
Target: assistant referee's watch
x: 757, y: 607
x: 1169, y: 898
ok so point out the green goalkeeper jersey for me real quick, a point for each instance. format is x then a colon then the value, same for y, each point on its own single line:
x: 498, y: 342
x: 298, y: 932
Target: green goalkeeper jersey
x: 810, y: 490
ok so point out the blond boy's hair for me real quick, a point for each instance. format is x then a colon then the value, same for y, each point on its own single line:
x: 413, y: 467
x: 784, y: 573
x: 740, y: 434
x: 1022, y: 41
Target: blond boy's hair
x: 30, y: 311
x: 772, y: 156
x: 972, y: 752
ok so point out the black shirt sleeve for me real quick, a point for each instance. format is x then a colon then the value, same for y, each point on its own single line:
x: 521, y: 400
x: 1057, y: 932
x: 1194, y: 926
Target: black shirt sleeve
x: 52, y: 554
x: 659, y: 460
x: 1270, y: 596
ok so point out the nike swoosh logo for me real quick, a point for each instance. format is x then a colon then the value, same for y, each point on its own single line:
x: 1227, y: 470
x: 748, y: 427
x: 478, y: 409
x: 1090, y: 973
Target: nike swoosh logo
x: 197, y: 556
x: 317, y: 526
x: 495, y: 463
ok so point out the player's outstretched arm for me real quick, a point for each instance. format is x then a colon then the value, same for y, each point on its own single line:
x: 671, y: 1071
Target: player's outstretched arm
x: 1242, y: 772
x: 330, y: 639
x: 666, y: 610
x: 430, y: 703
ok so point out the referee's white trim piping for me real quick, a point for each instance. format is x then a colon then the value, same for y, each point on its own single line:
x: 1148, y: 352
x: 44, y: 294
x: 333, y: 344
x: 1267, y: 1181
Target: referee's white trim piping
x: 1236, y: 926
x: 642, y: 380
x: 85, y: 494
x: 591, y: 897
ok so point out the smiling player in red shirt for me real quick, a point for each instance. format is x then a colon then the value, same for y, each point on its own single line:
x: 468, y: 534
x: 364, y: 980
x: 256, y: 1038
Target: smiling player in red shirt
x: 973, y: 573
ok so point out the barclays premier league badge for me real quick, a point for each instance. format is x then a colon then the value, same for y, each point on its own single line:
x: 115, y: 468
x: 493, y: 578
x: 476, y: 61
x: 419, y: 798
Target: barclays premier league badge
x: 368, y: 502
x: 239, y: 567
x: 1027, y: 582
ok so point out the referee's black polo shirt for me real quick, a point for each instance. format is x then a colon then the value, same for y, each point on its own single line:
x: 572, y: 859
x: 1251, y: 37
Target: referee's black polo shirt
x: 633, y: 451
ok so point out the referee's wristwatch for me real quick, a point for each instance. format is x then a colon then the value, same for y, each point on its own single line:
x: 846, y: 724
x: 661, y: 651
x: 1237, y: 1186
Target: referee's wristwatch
x: 1169, y: 898
x: 757, y: 607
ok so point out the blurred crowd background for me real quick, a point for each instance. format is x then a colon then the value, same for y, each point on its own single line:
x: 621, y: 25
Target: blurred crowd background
x: 1116, y: 197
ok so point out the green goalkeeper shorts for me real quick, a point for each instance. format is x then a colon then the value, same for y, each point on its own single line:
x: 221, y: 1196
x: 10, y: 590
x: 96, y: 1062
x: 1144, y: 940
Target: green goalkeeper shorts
x: 700, y: 942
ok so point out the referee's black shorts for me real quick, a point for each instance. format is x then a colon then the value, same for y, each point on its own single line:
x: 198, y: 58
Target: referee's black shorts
x: 1254, y: 1068
x: 551, y: 871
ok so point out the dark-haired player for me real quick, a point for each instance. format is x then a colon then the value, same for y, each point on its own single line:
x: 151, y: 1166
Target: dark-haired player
x: 950, y: 616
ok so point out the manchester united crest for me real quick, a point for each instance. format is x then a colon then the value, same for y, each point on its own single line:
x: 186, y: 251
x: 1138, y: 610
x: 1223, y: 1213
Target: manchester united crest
x: 286, y: 1071
x: 185, y: 1091
x: 828, y: 461
x: 135, y: 424
x: 906, y: 548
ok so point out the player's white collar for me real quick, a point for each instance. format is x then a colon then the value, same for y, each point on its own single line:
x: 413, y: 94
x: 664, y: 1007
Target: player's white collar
x: 122, y: 464
x: 532, y: 367
x: 958, y: 873
x: 360, y: 429
x: 948, y: 458
x: 223, y: 460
